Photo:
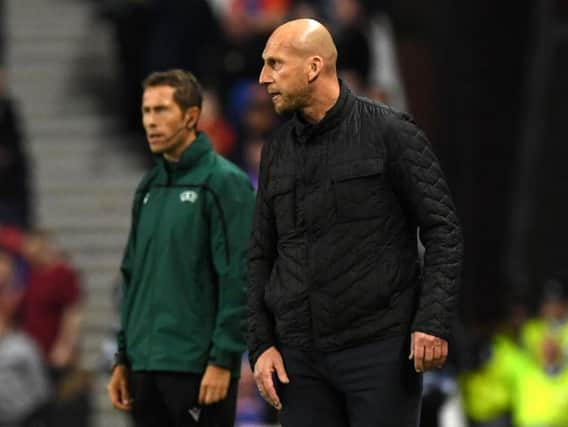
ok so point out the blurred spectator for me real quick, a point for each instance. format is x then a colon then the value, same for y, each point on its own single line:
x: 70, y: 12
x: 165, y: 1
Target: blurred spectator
x: 10, y: 289
x: 371, y: 69
x: 51, y: 315
x: 129, y: 20
x: 51, y: 311
x: 250, y: 108
x: 386, y: 83
x: 213, y: 122
x: 247, y: 24
x: 541, y: 394
x: 545, y: 337
x: 490, y: 379
x: 183, y: 34
x: 250, y: 18
x: 541, y: 398
x: 353, y: 64
x: 109, y: 345
x: 315, y: 9
x: 14, y: 185
x: 24, y: 391
x: 252, y: 152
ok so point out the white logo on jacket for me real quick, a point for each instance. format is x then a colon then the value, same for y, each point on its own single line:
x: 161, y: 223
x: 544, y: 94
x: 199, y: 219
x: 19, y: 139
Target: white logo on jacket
x: 188, y: 196
x: 146, y: 198
x: 195, y: 412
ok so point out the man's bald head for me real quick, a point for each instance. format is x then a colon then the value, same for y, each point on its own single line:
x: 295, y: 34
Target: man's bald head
x: 299, y: 70
x: 307, y: 37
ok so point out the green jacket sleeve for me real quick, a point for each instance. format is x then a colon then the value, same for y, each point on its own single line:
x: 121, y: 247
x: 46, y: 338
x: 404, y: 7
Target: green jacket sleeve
x: 126, y: 271
x: 126, y: 268
x: 231, y: 221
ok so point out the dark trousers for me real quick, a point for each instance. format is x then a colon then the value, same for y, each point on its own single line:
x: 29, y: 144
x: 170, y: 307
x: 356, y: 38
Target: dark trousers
x: 373, y: 385
x: 169, y: 399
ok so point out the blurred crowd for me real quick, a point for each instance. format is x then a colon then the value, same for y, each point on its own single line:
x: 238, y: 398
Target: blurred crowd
x: 40, y: 323
x: 511, y: 371
x: 507, y: 373
x: 514, y: 372
x: 221, y: 42
x: 41, y: 298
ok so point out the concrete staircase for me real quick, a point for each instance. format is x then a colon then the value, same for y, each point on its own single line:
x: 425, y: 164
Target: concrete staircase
x: 82, y: 185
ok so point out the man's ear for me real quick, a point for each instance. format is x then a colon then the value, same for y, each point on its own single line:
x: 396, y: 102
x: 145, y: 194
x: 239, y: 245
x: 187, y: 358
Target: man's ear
x: 314, y: 68
x: 191, y: 117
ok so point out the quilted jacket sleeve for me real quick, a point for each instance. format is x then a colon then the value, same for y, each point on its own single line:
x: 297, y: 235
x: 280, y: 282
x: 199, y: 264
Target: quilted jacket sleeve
x: 422, y: 188
x: 262, y: 253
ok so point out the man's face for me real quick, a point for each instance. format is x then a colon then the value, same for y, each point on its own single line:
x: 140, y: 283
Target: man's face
x: 283, y: 75
x: 163, y: 121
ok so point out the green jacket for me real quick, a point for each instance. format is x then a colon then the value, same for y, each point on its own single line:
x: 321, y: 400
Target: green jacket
x: 184, y: 267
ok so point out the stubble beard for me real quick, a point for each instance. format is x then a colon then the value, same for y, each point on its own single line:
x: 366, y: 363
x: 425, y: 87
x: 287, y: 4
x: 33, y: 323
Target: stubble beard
x: 292, y: 103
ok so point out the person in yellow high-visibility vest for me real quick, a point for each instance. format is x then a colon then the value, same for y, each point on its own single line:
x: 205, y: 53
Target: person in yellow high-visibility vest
x: 542, y: 390
x: 489, y: 390
x: 551, y: 324
x: 541, y: 398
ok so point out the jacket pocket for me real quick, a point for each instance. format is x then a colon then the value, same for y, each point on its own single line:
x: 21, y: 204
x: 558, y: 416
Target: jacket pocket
x: 281, y: 195
x: 357, y: 186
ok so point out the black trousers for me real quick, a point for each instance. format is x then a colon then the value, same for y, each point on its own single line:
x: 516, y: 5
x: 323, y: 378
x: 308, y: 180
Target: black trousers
x: 373, y: 385
x: 169, y: 399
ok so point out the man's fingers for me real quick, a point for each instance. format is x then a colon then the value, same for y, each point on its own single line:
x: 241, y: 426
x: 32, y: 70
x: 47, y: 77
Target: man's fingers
x: 437, y: 357
x: 270, y: 391
x: 207, y: 395
x: 428, y: 358
x: 441, y: 362
x: 212, y: 396
x: 443, y: 354
x: 281, y: 371
x: 118, y: 389
x: 114, y: 395
x: 223, y: 393
x: 119, y: 397
x: 125, y: 395
x: 269, y: 363
x: 428, y: 350
x: 210, y: 393
x: 436, y: 353
x: 419, y: 358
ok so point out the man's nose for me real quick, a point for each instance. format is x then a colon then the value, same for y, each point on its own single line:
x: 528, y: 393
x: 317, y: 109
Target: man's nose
x: 149, y: 120
x: 263, y: 78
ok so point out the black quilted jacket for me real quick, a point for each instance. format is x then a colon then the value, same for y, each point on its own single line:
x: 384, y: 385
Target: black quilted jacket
x: 333, y: 257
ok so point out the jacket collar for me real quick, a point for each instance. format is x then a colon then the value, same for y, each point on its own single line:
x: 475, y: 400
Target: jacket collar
x: 192, y: 155
x: 332, y: 118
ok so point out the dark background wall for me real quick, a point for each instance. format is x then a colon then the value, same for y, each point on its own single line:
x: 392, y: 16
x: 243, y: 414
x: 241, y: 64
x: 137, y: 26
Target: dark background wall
x: 494, y: 108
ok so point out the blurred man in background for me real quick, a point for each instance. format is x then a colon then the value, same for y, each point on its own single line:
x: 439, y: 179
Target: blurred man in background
x: 15, y: 192
x: 52, y: 314
x: 184, y: 271
x: 25, y: 387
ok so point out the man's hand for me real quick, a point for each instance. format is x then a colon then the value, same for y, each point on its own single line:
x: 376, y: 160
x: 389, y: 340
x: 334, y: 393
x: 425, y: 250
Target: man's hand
x: 118, y: 389
x: 428, y: 351
x: 214, y: 385
x: 269, y: 362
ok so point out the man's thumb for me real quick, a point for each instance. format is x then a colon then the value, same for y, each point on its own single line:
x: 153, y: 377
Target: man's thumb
x: 281, y: 372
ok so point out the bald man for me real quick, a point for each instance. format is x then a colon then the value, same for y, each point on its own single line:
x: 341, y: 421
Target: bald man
x: 342, y: 318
